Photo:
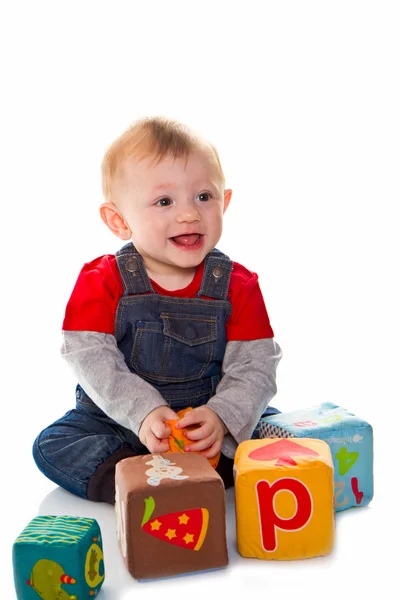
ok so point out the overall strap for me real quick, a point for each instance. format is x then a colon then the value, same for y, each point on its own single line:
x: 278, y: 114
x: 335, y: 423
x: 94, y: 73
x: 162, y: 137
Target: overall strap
x: 216, y: 276
x: 133, y: 273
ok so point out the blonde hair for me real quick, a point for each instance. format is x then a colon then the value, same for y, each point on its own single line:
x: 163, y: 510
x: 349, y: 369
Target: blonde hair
x: 155, y: 137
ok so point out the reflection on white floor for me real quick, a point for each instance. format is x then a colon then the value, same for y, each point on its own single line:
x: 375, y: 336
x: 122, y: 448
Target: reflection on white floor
x: 118, y: 580
x: 240, y: 572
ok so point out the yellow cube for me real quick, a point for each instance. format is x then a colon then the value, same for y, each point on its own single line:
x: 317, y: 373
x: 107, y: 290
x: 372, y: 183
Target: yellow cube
x: 284, y: 499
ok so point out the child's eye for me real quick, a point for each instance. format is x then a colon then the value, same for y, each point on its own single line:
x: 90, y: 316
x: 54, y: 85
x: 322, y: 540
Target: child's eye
x: 204, y: 197
x: 164, y: 202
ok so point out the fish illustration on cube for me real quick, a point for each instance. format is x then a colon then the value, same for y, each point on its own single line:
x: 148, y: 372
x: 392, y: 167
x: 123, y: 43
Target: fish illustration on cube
x: 349, y: 437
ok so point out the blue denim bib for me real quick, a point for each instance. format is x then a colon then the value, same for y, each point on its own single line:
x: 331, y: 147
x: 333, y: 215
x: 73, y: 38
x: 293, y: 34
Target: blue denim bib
x: 175, y: 344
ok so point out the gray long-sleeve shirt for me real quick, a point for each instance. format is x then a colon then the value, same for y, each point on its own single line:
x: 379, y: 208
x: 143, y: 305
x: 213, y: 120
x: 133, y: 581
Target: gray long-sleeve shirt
x: 248, y: 382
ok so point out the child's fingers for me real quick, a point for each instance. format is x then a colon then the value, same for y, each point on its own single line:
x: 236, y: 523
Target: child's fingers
x: 212, y: 450
x: 169, y: 414
x: 200, y: 445
x: 154, y: 444
x: 161, y: 430
x: 192, y: 418
x: 163, y: 445
x: 199, y: 433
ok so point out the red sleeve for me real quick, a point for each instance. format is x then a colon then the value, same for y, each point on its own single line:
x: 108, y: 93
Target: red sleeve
x: 249, y: 319
x: 93, y: 302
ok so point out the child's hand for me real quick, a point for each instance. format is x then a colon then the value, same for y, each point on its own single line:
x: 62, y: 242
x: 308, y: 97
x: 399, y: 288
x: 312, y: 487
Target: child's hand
x: 153, y: 432
x: 209, y: 434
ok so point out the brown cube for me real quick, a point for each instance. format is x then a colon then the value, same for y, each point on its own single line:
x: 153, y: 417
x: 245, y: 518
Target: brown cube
x: 170, y: 515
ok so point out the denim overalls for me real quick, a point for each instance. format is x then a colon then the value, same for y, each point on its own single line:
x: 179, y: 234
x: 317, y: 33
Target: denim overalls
x: 175, y: 344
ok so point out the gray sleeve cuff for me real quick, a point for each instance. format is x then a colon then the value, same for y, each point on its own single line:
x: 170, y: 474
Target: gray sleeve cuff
x: 247, y: 386
x: 101, y: 370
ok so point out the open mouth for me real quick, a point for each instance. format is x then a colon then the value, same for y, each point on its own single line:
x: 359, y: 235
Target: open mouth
x: 187, y: 240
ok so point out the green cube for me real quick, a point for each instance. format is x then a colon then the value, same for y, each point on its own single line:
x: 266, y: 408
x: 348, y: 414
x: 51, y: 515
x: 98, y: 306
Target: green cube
x: 59, y: 558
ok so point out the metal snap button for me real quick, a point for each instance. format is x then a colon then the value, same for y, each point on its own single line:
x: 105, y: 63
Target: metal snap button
x: 131, y: 265
x: 217, y: 272
x: 190, y: 333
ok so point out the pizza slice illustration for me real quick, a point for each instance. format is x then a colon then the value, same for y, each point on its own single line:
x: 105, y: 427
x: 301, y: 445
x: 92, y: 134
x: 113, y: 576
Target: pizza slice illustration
x: 186, y: 529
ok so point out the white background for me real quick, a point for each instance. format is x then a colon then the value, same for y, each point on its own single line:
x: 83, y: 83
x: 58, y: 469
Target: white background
x: 302, y: 100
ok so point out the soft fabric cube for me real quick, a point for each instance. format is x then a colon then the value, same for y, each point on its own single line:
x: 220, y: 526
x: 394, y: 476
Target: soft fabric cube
x: 58, y: 557
x: 284, y: 499
x: 351, y: 442
x: 170, y: 515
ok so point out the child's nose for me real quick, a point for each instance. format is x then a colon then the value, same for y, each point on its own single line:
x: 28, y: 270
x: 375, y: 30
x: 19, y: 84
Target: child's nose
x: 189, y: 215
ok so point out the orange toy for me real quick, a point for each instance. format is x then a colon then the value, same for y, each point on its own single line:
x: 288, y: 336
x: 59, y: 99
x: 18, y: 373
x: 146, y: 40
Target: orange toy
x: 177, y: 439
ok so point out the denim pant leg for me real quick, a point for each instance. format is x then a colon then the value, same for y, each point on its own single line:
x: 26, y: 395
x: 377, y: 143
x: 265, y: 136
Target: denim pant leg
x: 70, y: 450
x: 270, y: 411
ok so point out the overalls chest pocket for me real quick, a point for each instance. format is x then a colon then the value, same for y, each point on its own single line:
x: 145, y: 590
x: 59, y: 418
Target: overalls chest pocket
x: 178, y: 347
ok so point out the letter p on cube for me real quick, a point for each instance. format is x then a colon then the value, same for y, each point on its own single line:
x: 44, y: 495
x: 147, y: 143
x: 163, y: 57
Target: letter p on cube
x: 284, y: 499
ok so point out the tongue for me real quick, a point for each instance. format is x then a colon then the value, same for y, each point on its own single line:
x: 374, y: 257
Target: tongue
x: 187, y: 240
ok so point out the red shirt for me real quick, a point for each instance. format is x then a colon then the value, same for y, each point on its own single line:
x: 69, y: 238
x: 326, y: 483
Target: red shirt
x: 94, y: 300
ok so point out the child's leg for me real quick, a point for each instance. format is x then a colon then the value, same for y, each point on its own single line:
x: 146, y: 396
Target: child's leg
x: 268, y: 413
x: 79, y: 452
x: 225, y: 470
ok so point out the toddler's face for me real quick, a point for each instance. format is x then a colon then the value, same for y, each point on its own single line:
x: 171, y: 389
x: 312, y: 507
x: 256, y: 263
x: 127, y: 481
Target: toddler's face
x: 174, y: 210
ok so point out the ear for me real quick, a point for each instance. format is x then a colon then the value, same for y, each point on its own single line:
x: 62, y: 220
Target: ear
x: 115, y: 221
x: 227, y: 198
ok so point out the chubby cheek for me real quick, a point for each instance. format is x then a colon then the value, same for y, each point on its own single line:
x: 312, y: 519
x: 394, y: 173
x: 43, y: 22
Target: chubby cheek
x: 154, y: 225
x: 216, y: 226
x: 148, y: 231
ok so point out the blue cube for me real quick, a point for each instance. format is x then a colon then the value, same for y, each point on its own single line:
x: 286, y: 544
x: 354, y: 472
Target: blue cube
x: 350, y: 439
x: 58, y: 557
